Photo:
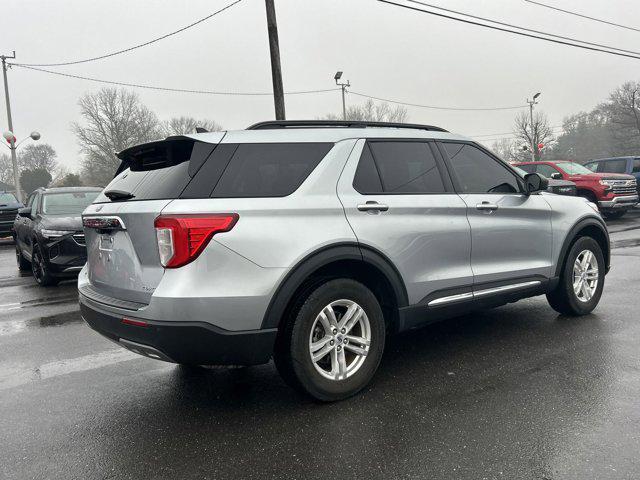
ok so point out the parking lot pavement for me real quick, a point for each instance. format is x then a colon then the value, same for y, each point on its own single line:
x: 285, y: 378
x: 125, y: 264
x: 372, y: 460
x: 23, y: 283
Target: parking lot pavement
x: 516, y: 392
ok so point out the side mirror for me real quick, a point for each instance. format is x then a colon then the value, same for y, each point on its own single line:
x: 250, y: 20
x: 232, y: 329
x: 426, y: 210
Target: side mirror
x: 534, y: 182
x: 556, y: 176
x: 24, y: 212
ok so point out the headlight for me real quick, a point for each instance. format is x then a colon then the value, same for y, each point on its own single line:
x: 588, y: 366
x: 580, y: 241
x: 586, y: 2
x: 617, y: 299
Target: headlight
x: 54, y: 233
x: 607, y: 183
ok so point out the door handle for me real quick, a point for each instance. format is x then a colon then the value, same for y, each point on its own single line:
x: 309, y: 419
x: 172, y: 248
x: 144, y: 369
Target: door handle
x: 373, y: 207
x: 486, y: 206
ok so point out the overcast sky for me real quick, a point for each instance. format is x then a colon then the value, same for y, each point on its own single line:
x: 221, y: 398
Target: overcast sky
x: 384, y: 51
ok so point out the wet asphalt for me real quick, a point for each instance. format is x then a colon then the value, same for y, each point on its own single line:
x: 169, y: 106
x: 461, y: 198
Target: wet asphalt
x: 517, y: 392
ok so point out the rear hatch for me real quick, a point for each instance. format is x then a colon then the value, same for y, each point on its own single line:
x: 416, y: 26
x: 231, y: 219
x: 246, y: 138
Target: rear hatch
x: 122, y: 256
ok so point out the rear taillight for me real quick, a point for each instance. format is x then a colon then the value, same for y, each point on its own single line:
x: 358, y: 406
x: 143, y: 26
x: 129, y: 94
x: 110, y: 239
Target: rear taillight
x: 181, y: 238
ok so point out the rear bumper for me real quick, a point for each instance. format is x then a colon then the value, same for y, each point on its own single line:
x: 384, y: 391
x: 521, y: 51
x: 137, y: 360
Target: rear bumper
x: 195, y: 343
x: 626, y: 201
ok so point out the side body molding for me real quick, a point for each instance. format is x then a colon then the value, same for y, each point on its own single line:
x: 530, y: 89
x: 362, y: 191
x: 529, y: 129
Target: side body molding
x: 325, y: 256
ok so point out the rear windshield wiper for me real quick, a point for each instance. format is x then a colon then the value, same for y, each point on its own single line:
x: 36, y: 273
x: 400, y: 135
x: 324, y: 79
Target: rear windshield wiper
x: 118, y: 195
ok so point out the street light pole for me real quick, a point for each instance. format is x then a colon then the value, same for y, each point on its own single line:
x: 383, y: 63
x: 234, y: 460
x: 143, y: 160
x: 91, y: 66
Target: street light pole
x: 337, y: 77
x: 533, y: 146
x: 12, y: 143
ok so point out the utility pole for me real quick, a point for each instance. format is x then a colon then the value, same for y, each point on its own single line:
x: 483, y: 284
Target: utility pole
x: 276, y: 71
x: 531, y: 103
x: 337, y: 77
x: 12, y: 143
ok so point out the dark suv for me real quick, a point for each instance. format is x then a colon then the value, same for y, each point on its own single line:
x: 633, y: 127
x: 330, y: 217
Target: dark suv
x: 48, y: 233
x: 9, y: 206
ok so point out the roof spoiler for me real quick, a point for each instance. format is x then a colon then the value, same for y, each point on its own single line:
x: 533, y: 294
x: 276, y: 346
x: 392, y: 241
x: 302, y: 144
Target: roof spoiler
x: 154, y: 155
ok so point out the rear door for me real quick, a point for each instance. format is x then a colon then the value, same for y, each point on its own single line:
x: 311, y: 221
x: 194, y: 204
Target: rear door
x: 510, y: 231
x: 399, y: 201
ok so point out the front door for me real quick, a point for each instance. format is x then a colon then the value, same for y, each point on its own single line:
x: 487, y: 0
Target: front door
x: 399, y: 201
x: 511, y: 237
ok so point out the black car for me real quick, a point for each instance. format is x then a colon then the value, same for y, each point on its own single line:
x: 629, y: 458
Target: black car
x: 9, y: 206
x: 48, y: 233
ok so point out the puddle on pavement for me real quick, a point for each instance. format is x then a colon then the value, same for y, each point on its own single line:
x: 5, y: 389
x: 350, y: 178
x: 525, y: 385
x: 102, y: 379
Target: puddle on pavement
x: 14, y: 327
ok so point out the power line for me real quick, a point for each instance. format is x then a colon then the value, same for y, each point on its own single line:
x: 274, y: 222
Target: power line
x: 125, y: 50
x: 169, y: 89
x: 618, y: 52
x: 600, y: 20
x: 433, y: 107
x: 554, y: 127
x: 524, y: 28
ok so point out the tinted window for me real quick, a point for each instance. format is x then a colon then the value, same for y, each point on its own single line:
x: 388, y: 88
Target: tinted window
x: 613, y: 166
x: 477, y: 172
x: 398, y: 167
x: 269, y: 169
x: 155, y: 184
x: 367, y: 179
x: 636, y: 165
x: 546, y: 170
x: 68, y: 203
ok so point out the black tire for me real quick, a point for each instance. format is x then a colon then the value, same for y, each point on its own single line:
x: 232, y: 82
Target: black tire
x: 564, y: 299
x: 292, y: 356
x: 40, y: 269
x: 614, y: 215
x: 23, y: 263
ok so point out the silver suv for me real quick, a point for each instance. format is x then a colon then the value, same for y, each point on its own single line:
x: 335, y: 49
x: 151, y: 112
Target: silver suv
x: 310, y: 241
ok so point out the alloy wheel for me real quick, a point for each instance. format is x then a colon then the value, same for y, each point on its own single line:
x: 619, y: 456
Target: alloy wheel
x: 340, y: 339
x: 585, y: 275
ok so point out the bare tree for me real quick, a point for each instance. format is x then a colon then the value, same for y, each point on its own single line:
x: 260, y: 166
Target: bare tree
x: 622, y: 111
x: 506, y: 149
x: 114, y: 119
x: 541, y: 132
x: 185, y: 125
x: 41, y: 155
x: 6, y: 169
x: 373, y: 112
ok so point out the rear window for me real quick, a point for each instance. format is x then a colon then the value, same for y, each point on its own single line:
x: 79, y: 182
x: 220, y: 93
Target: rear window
x: 268, y: 169
x: 160, y: 171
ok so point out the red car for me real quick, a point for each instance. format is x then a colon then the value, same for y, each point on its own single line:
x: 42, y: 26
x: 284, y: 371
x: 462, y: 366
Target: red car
x: 614, y: 193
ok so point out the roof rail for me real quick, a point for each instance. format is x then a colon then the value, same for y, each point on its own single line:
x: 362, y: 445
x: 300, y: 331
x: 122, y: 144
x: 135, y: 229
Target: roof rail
x: 274, y: 124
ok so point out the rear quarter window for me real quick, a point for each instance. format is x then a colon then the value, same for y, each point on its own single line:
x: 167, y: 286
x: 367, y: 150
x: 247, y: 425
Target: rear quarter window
x: 268, y: 169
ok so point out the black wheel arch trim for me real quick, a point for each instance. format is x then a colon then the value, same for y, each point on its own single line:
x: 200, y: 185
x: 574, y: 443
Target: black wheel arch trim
x: 324, y: 256
x: 573, y: 235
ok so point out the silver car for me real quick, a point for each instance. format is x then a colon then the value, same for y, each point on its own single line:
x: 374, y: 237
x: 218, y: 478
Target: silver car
x: 309, y: 242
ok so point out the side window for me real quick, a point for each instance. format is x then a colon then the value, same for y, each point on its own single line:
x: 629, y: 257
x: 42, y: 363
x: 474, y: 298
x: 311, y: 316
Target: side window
x: 269, y: 169
x: 636, y: 165
x: 403, y: 167
x: 477, y: 172
x: 546, y: 170
x: 367, y: 179
x: 613, y: 166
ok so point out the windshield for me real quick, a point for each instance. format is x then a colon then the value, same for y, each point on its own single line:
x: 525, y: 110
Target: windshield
x: 70, y: 203
x: 7, y: 198
x: 573, y: 168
